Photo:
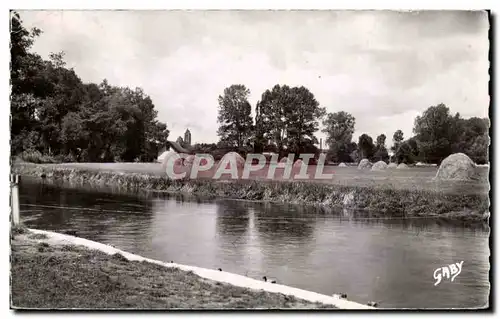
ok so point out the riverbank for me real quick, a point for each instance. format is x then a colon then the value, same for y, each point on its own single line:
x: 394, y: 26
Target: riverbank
x: 383, y: 196
x: 51, y: 270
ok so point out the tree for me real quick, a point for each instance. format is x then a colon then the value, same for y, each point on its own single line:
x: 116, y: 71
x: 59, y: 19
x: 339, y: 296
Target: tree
x: 478, y: 150
x: 407, y: 152
x: 288, y: 118
x: 381, y: 153
x: 235, y: 121
x: 366, y: 147
x: 435, y: 132
x: 339, y: 128
x: 53, y: 112
x: 355, y: 156
x: 473, y: 138
x: 397, y: 139
x: 259, y: 140
x: 302, y: 115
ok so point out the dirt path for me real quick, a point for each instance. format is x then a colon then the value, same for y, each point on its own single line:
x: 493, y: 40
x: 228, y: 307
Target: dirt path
x: 46, y: 275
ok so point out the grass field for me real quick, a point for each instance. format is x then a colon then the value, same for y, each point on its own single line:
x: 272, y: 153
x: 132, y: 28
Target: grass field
x: 413, y: 178
x: 48, y: 276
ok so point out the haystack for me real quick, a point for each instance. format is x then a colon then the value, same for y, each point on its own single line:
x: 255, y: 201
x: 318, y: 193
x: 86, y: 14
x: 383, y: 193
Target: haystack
x: 298, y: 163
x: 364, y: 164
x: 282, y: 163
x: 189, y: 160
x: 402, y: 166
x: 284, y: 160
x: 457, y: 167
x: 178, y: 160
x: 379, y: 166
x: 342, y: 165
x: 164, y: 155
x: 232, y: 157
x: 392, y: 165
x: 176, y: 165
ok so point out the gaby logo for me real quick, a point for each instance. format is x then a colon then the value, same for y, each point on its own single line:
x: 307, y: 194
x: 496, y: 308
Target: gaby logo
x: 445, y: 272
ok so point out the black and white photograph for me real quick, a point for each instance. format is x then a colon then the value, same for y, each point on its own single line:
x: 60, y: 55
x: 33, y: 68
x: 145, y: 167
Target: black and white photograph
x: 320, y: 160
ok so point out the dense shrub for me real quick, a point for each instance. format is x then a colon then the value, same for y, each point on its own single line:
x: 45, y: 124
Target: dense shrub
x: 34, y: 156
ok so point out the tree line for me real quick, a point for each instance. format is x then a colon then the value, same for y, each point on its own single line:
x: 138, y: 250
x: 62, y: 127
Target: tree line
x: 54, y: 113
x: 286, y: 119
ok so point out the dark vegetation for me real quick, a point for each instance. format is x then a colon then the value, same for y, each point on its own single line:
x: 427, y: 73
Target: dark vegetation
x: 55, y: 117
x: 55, y: 276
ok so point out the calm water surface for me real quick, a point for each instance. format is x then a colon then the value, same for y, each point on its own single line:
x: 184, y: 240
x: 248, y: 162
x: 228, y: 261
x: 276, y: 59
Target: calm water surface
x: 390, y: 261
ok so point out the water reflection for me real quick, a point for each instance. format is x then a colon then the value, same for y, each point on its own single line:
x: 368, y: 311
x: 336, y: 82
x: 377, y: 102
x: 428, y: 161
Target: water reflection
x: 114, y: 218
x: 391, y: 261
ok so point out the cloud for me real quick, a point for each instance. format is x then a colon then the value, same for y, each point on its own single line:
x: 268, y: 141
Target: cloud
x: 384, y: 67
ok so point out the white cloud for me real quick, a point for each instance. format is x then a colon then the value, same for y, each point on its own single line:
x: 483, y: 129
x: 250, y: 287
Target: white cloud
x: 383, y: 67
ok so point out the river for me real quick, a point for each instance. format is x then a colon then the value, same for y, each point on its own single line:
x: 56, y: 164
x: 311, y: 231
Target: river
x: 391, y: 261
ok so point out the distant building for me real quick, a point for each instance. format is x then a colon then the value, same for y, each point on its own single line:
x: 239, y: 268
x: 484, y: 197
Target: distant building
x: 187, y: 137
x: 180, y: 141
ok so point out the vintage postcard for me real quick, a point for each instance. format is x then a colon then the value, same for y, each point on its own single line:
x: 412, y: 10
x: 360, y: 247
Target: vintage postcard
x: 250, y: 159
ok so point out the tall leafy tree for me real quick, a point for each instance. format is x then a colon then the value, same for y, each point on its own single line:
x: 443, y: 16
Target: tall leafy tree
x: 339, y: 128
x: 381, y: 141
x: 23, y: 102
x: 21, y: 41
x: 288, y: 118
x: 234, y: 118
x: 435, y: 133
x: 381, y: 153
x: 366, y: 146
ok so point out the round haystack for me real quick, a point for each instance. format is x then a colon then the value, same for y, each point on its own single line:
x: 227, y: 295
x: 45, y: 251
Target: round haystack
x: 189, y: 160
x: 379, y: 166
x: 283, y: 162
x: 173, y: 161
x: 232, y: 157
x: 298, y: 163
x: 392, y: 165
x: 178, y: 160
x: 457, y: 166
x: 342, y: 165
x: 364, y: 164
x: 402, y: 166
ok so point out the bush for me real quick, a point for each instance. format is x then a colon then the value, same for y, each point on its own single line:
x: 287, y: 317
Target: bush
x: 65, y: 158
x: 34, y: 156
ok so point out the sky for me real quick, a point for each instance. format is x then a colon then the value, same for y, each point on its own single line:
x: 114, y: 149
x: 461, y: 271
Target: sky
x: 383, y: 67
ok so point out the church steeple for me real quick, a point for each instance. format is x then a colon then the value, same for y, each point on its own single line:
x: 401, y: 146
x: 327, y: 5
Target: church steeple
x: 187, y: 137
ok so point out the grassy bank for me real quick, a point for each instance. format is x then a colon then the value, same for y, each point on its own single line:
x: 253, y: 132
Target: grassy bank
x: 387, y: 199
x: 46, y: 275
